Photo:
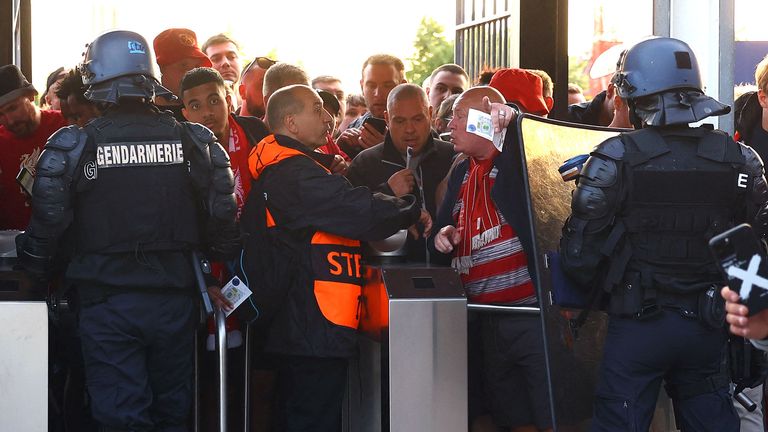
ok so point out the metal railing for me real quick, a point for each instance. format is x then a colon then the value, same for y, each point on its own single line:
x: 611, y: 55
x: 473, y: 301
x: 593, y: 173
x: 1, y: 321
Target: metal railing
x: 483, y: 37
x: 512, y: 310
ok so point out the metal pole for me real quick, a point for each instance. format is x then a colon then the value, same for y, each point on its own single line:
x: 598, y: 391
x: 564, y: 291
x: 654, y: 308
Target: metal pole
x: 196, y: 384
x: 221, y: 348
x: 247, y: 377
x: 512, y: 310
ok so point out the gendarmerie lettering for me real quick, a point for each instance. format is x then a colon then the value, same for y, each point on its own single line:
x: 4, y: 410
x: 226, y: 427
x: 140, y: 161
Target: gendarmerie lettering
x: 139, y: 154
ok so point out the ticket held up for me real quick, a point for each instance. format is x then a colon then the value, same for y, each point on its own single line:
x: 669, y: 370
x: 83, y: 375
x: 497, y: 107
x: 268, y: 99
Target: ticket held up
x: 480, y: 124
x: 236, y: 292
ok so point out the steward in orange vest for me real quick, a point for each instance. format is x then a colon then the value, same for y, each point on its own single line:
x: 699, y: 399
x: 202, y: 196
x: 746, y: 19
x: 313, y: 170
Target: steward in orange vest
x: 312, y: 222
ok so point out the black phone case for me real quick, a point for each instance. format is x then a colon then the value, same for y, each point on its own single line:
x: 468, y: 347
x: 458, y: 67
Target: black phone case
x: 744, y: 265
x: 378, y: 124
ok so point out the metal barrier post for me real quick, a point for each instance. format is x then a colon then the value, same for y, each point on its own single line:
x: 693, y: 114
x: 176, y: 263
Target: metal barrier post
x: 247, y: 376
x: 512, y: 310
x: 221, y: 348
x: 196, y: 384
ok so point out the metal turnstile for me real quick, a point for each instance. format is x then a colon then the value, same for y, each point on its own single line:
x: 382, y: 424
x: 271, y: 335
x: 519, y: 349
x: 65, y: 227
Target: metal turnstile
x: 411, y: 374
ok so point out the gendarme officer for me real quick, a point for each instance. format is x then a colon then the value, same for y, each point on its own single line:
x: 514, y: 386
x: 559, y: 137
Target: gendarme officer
x: 136, y: 192
x: 645, y: 206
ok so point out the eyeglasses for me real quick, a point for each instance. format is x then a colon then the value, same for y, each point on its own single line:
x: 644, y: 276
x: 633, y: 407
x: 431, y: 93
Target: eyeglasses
x: 263, y: 63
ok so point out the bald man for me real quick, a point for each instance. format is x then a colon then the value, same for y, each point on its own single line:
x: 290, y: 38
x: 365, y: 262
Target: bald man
x: 482, y: 231
x: 304, y: 229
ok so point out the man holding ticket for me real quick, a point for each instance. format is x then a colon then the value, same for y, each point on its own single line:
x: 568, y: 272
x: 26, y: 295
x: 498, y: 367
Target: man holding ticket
x: 482, y: 232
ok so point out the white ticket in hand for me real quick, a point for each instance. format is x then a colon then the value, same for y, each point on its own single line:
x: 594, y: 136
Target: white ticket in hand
x: 480, y: 124
x: 236, y: 291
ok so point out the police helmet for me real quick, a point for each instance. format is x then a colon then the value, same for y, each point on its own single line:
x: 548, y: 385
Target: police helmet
x: 119, y: 64
x: 656, y: 65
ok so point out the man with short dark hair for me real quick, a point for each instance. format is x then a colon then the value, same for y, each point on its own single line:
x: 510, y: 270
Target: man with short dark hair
x: 305, y: 219
x: 410, y: 160
x: 75, y: 108
x: 251, y: 88
x: 24, y: 128
x: 206, y: 101
x: 381, y: 73
x: 49, y: 99
x: 224, y: 53
x: 176, y: 53
x: 444, y: 81
x: 355, y: 108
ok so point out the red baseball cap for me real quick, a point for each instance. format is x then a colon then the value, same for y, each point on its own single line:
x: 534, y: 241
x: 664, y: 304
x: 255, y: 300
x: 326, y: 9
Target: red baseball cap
x: 521, y: 87
x: 176, y: 44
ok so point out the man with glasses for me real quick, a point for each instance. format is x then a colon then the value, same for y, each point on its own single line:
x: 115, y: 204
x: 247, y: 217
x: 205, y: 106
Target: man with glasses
x: 251, y: 87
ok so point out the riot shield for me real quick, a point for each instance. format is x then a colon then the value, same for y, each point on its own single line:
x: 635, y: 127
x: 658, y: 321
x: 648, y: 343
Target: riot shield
x: 573, y: 357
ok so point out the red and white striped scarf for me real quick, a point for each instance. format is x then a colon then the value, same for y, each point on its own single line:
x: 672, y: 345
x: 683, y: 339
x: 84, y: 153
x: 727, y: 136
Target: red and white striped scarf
x: 478, y: 221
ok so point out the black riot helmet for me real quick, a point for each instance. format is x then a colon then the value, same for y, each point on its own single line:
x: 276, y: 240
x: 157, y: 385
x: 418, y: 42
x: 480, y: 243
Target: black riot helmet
x: 119, y: 64
x: 656, y: 65
x: 661, y: 82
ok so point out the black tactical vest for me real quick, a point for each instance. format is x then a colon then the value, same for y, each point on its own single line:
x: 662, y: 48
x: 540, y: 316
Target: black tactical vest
x: 681, y: 188
x: 134, y: 192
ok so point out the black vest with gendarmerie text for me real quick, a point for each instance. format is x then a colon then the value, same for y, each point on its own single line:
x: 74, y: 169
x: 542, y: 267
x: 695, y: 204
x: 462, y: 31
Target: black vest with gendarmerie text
x: 134, y: 189
x: 682, y: 187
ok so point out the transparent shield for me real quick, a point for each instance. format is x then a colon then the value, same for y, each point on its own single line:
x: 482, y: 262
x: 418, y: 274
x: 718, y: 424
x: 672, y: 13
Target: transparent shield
x: 573, y: 358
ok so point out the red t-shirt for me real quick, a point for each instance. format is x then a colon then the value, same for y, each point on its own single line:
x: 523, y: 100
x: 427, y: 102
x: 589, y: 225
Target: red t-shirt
x: 16, y: 152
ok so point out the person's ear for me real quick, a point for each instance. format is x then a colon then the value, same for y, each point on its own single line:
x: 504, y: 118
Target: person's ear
x: 762, y: 98
x: 228, y: 98
x: 429, y: 111
x: 241, y: 90
x: 386, y: 117
x: 184, y: 113
x: 289, y: 121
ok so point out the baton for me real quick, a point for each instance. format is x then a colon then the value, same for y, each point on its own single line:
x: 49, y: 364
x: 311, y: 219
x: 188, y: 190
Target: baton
x: 200, y: 265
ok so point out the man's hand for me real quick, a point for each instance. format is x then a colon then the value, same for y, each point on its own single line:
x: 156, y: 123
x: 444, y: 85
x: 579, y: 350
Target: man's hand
x: 426, y: 221
x: 501, y: 115
x: 350, y: 138
x: 447, y: 238
x: 218, y: 299
x: 369, y: 136
x: 402, y: 182
x: 339, y: 165
x: 750, y: 327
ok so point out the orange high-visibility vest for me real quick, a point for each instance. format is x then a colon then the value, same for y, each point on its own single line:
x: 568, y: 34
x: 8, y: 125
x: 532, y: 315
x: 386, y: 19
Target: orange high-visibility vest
x: 337, y: 276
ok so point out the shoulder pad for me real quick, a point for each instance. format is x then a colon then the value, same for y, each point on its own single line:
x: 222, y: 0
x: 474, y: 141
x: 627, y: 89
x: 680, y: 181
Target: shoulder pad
x: 66, y: 138
x: 219, y: 156
x: 199, y: 132
x: 752, y: 159
x: 612, y: 148
x: 99, y: 123
x: 599, y: 172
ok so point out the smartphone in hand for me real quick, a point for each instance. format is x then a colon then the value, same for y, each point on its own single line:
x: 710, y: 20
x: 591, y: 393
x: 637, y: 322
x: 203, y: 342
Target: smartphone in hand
x: 744, y: 264
x: 379, y: 124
